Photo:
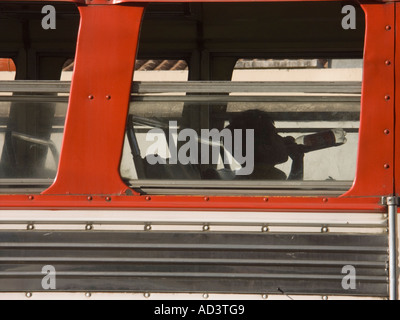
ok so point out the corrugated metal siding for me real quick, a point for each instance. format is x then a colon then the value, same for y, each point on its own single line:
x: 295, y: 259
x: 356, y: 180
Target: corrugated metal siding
x: 213, y: 262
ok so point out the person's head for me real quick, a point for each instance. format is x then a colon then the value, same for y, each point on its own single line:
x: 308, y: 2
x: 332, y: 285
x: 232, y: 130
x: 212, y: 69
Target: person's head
x: 269, y: 146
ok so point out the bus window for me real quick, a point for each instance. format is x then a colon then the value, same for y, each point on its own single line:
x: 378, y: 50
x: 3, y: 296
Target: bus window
x: 328, y: 119
x: 275, y: 111
x: 34, y: 101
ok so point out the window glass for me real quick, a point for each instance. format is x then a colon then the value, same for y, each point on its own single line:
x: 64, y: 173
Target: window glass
x: 33, y: 100
x: 275, y: 111
x: 310, y: 117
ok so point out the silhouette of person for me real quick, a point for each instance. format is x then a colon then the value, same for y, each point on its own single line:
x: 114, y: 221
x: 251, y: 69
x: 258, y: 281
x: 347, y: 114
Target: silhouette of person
x: 270, y: 148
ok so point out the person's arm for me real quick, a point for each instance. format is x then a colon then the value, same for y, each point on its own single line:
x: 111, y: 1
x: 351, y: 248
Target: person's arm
x: 297, y: 155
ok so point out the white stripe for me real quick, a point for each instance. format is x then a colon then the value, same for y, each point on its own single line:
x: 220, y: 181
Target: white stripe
x: 194, y: 220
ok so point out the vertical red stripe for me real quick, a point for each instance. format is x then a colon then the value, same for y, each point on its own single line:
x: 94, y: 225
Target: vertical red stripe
x: 99, y: 101
x: 374, y: 176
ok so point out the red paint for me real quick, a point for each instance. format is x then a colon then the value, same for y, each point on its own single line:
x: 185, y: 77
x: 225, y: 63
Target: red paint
x: 397, y: 109
x: 168, y: 203
x: 374, y: 176
x: 95, y: 125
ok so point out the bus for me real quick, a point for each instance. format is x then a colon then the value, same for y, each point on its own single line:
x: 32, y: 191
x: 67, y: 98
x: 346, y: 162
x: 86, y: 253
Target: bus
x: 199, y: 149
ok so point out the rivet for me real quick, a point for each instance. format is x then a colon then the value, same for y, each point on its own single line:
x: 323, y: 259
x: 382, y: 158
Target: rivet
x: 265, y: 199
x: 30, y: 227
x: 206, y: 198
x: 388, y: 62
x: 325, y: 199
x: 88, y: 294
x: 108, y: 97
x: 324, y: 297
x: 148, y: 198
x: 89, y: 227
x: 31, y: 197
x: 264, y: 229
x: 206, y: 227
x: 386, y: 131
x: 387, y: 97
x: 388, y: 27
x: 264, y: 296
x: 147, y: 227
x: 108, y: 198
x: 90, y: 198
x: 386, y: 166
x: 206, y: 296
x: 324, y: 229
x: 90, y: 97
x: 146, y: 295
x: 28, y: 294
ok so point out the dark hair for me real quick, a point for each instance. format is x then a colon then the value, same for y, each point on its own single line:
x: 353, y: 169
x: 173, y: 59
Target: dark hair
x: 267, y: 142
x: 255, y: 119
x: 259, y: 121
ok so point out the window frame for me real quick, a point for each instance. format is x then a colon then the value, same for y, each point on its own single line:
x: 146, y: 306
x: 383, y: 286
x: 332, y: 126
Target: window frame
x: 375, y: 161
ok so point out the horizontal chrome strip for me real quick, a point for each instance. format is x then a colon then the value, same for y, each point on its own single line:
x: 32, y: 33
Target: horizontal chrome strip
x: 185, y: 217
x: 365, y: 264
x: 90, y: 295
x: 42, y: 86
x: 119, y: 274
